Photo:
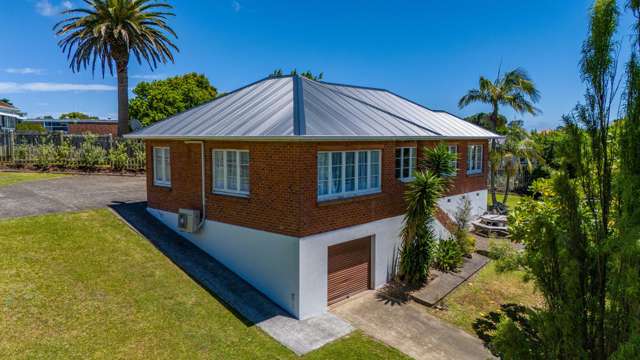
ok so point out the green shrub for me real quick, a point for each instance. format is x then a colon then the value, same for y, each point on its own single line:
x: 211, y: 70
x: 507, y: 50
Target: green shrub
x: 118, y: 156
x: 448, y: 255
x: 31, y: 127
x: 462, y: 218
x: 415, y: 257
x: 91, y: 155
x: 66, y: 156
x: 45, y: 156
x: 506, y: 257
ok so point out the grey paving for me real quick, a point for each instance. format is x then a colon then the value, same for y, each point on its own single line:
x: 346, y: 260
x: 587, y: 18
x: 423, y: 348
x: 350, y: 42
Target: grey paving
x: 70, y: 193
x: 251, y: 306
x: 444, y: 283
x: 410, y: 329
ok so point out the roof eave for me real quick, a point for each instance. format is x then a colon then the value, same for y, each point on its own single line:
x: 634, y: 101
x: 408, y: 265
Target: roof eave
x: 294, y: 138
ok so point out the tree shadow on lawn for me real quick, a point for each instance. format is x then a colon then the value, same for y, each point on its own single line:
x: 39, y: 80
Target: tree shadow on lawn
x: 239, y: 297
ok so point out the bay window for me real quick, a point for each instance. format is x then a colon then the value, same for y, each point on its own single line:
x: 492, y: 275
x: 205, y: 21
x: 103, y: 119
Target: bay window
x: 348, y: 173
x: 231, y: 172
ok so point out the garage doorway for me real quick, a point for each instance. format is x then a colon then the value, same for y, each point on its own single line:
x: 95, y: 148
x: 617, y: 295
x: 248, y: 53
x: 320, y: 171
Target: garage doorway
x: 349, y: 269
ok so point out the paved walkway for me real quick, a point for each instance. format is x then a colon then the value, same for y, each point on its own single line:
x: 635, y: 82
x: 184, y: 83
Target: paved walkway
x: 240, y: 297
x: 70, y: 193
x: 409, y: 328
x: 444, y: 283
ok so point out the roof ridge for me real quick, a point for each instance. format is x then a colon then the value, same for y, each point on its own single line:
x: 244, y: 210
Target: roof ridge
x: 299, y: 124
x: 379, y: 109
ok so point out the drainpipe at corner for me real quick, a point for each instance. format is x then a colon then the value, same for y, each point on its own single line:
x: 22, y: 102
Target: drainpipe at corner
x: 204, y: 198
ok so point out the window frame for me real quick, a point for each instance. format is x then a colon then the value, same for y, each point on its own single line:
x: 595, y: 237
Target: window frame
x: 475, y: 159
x: 412, y: 150
x: 457, y: 160
x: 164, y: 182
x: 238, y: 170
x: 330, y: 195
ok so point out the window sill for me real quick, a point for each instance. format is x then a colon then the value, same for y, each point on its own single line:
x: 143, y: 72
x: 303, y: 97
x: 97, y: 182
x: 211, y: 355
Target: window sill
x: 164, y: 186
x: 475, y: 173
x: 231, y: 194
x: 406, y: 180
x: 349, y: 199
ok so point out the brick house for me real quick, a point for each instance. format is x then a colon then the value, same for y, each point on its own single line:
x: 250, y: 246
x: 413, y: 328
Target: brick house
x: 298, y: 184
x: 79, y: 126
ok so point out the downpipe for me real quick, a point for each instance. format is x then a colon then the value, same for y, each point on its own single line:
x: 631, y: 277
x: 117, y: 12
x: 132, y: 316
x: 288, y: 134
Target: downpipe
x: 203, y: 194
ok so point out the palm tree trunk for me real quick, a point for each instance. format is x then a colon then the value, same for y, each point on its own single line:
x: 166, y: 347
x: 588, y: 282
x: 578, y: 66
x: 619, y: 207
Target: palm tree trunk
x: 492, y: 175
x: 123, y: 97
x: 506, y: 189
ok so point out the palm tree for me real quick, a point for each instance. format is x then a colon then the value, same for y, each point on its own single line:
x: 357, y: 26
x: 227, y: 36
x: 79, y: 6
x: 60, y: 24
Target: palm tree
x: 513, y: 89
x: 421, y: 197
x: 108, y: 32
x: 518, y: 147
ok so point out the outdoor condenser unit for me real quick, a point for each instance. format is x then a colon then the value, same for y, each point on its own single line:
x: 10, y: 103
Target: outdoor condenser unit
x: 188, y: 220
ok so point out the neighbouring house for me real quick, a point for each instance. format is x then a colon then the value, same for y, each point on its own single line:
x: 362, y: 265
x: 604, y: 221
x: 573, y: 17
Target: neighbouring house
x: 10, y: 116
x: 297, y: 185
x: 78, y: 126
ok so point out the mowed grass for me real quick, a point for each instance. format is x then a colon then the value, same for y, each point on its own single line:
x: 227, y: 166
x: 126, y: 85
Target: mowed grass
x: 483, y: 293
x: 512, y: 199
x: 83, y: 285
x: 9, y: 178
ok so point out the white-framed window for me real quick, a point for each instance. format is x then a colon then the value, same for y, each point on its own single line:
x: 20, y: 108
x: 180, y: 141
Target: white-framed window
x: 405, y: 163
x: 348, y: 173
x: 474, y: 159
x: 161, y: 166
x: 231, y: 172
x: 453, y: 149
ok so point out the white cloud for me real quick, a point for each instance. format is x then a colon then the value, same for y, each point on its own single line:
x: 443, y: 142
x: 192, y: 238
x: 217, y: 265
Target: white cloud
x: 149, y: 76
x: 236, y: 5
x: 24, y: 71
x: 46, y: 8
x: 12, y: 87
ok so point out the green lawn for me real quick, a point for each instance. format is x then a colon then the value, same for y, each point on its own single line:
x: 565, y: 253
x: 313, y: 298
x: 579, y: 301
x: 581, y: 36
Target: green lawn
x: 512, y: 199
x: 484, y: 293
x: 9, y: 178
x: 83, y: 285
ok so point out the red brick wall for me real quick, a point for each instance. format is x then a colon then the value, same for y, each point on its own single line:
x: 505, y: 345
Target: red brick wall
x: 283, y: 181
x: 100, y: 129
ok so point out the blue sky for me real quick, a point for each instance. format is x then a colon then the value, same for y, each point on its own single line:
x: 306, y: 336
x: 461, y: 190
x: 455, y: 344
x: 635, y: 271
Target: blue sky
x: 427, y: 51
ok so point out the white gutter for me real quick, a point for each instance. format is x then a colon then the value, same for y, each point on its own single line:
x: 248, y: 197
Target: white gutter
x: 204, y: 197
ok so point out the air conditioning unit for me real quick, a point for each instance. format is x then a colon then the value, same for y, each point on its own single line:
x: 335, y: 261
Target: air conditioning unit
x: 188, y: 220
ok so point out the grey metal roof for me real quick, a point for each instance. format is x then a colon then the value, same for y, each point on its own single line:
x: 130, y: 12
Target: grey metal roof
x: 296, y: 108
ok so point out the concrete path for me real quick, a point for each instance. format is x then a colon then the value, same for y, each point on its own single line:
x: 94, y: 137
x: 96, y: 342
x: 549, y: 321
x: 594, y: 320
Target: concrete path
x: 240, y: 297
x: 410, y: 329
x: 444, y: 283
x: 70, y: 193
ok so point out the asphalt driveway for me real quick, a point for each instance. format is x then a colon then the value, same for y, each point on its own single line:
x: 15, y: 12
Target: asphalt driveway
x: 410, y: 329
x: 70, y: 193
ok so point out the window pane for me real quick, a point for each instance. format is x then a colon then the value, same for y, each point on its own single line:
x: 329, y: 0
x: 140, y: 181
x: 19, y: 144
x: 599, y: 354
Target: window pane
x: 470, y: 158
x: 363, y: 170
x: 323, y: 173
x: 336, y: 172
x: 398, y: 163
x: 375, y: 169
x: 167, y: 166
x: 157, y: 165
x: 350, y: 171
x: 218, y: 170
x: 406, y: 163
x: 232, y: 164
x: 244, y: 171
x: 412, y: 162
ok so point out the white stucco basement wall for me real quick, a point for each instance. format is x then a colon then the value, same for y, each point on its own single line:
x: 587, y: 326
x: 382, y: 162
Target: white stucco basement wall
x: 478, y: 200
x: 266, y: 260
x: 314, y: 259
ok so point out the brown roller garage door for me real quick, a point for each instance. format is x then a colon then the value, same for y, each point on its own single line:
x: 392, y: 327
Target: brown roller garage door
x: 349, y: 269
